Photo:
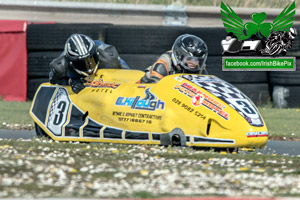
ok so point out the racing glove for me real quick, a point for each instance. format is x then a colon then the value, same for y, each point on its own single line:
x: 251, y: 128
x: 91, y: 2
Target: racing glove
x: 77, y: 84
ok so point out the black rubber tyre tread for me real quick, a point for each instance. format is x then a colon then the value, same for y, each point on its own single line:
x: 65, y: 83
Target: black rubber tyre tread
x: 286, y: 78
x: 293, y: 96
x: 214, y: 67
x: 259, y: 93
x: 175, y: 134
x: 139, y: 61
x: 53, y: 36
x: 38, y: 63
x: 132, y: 39
x: 33, y: 84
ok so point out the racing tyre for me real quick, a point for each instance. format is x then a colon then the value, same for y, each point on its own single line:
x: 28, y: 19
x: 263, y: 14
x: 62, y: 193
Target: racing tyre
x: 33, y: 85
x: 139, y: 61
x: 49, y: 37
x: 227, y: 150
x: 38, y: 63
x: 176, y: 140
x: 39, y: 131
x: 132, y: 39
x: 212, y: 37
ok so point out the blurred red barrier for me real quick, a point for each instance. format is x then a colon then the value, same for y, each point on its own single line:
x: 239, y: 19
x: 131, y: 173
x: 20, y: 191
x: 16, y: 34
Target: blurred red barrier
x: 13, y: 60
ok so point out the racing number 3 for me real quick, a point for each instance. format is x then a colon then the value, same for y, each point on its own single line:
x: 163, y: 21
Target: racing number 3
x: 246, y: 107
x: 60, y: 114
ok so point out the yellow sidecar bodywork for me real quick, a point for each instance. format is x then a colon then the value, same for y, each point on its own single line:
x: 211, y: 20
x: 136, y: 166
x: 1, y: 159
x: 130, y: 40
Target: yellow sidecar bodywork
x: 192, y: 110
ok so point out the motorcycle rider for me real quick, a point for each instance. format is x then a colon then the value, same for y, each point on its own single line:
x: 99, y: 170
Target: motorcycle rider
x: 188, y: 55
x: 81, y: 58
x: 279, y: 42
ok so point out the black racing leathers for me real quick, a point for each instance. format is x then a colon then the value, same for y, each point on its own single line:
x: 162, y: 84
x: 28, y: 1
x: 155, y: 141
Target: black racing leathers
x: 62, y: 73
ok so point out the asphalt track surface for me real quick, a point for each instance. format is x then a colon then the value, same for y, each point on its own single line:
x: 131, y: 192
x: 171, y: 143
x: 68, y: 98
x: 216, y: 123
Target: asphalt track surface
x: 290, y: 148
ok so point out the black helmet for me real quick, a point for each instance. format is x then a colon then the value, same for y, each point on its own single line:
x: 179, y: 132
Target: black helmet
x: 189, y: 53
x: 81, y: 52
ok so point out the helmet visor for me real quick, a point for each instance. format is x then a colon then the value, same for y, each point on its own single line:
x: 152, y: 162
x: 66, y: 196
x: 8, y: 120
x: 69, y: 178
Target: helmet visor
x: 192, y: 62
x: 87, y: 65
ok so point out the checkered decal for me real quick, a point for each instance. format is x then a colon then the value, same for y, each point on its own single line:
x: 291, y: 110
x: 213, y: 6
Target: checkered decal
x: 229, y: 94
x: 216, y: 86
x: 41, y: 103
x: 55, y: 101
x: 58, y: 112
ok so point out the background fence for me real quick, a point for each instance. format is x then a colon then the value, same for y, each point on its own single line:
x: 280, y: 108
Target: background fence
x: 140, y: 46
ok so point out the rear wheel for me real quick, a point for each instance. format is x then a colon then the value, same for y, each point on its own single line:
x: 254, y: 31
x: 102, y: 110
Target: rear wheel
x: 227, y: 150
x: 39, y: 131
x: 174, y: 138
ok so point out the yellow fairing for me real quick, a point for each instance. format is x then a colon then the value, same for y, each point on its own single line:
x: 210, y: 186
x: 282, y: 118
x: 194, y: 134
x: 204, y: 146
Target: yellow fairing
x: 114, y: 108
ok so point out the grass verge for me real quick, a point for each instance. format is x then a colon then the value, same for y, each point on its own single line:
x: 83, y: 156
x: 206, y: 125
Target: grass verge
x: 41, y: 168
x: 15, y: 115
x: 282, y: 122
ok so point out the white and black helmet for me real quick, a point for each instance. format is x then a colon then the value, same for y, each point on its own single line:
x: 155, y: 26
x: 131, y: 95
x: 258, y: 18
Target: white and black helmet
x: 81, y: 52
x: 292, y: 33
x: 189, y: 53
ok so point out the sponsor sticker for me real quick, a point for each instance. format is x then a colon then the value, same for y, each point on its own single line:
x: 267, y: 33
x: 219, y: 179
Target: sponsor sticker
x: 258, y: 134
x: 199, y: 98
x: 227, y: 93
x: 99, y: 83
x: 149, y: 102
